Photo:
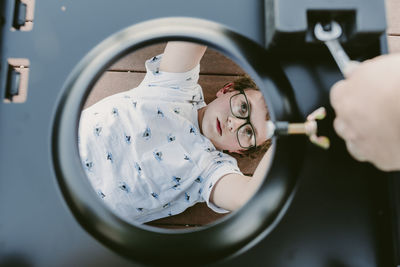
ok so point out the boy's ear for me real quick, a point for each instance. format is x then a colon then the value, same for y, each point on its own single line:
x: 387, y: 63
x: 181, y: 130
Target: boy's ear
x: 227, y: 88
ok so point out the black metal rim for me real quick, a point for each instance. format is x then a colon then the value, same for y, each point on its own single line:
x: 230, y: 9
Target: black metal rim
x: 231, y: 235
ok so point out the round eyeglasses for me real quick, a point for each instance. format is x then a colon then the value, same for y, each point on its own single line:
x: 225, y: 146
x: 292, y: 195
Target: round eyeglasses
x: 240, y: 108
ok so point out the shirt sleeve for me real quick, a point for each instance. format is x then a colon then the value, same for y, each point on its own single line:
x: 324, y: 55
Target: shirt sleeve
x: 171, y: 86
x: 174, y: 80
x: 222, y: 165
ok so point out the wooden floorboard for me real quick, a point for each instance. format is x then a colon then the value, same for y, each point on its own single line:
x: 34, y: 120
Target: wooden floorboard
x: 197, y: 215
x: 212, y: 62
x: 112, y: 82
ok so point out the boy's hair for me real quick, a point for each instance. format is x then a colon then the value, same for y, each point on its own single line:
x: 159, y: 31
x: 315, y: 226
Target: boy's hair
x: 242, y: 83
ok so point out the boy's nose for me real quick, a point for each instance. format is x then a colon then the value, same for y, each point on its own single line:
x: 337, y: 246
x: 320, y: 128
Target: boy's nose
x: 234, y: 123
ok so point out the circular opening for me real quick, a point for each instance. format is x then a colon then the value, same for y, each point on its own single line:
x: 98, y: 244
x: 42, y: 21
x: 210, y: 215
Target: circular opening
x: 141, y: 243
x: 114, y: 127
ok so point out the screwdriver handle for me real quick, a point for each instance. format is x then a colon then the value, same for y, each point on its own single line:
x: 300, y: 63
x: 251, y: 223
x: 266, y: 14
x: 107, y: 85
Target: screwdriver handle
x: 280, y: 128
x: 309, y: 128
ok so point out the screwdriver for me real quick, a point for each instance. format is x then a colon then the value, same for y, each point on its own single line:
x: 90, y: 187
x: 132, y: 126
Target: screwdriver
x: 309, y: 128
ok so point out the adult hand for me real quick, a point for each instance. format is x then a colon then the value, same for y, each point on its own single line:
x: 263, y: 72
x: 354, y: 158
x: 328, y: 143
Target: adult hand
x: 367, y: 106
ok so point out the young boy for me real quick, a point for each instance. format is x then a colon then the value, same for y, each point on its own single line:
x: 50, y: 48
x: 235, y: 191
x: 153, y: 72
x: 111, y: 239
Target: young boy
x: 155, y: 150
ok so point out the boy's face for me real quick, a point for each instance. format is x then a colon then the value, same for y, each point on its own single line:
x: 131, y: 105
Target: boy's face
x: 219, y: 125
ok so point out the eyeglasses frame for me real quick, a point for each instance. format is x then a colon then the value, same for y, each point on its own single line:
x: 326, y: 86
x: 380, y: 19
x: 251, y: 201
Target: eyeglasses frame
x: 247, y: 118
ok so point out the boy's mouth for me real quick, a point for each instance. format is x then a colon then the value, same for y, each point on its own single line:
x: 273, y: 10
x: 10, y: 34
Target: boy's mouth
x: 219, y: 127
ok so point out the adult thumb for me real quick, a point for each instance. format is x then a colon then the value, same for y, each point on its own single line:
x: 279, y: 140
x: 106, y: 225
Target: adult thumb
x: 350, y: 68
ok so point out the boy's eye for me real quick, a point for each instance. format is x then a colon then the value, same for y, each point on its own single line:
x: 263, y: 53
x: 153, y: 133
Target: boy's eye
x: 243, y: 108
x: 249, y: 133
x: 246, y: 134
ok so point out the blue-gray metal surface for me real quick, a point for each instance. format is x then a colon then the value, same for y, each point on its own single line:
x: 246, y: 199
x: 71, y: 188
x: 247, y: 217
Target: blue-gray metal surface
x: 340, y: 213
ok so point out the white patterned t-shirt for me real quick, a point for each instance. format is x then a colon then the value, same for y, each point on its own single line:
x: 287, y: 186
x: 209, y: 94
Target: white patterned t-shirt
x: 143, y: 152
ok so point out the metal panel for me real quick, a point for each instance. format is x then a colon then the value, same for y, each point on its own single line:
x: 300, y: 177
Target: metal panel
x: 339, y: 215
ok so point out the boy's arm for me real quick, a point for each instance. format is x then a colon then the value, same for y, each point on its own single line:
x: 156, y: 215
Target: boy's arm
x: 181, y: 56
x: 233, y: 190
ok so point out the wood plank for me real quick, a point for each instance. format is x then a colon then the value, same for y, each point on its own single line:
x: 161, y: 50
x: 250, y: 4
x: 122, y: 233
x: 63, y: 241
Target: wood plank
x: 212, y: 83
x: 247, y: 165
x: 112, y: 82
x: 197, y: 215
x: 212, y: 62
x: 394, y: 44
x: 393, y: 18
x: 135, y: 61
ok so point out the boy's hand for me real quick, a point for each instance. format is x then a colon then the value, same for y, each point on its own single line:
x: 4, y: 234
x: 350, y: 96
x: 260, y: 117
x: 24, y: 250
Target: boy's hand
x: 367, y: 106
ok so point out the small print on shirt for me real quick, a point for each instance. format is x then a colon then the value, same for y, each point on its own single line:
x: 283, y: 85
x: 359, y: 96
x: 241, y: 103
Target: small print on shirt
x: 143, y: 152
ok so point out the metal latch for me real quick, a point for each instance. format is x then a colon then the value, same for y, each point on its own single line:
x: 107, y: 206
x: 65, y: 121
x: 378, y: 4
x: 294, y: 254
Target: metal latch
x: 19, y: 14
x: 23, y: 15
x: 17, y: 80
